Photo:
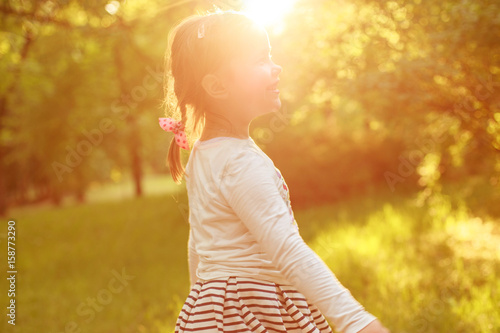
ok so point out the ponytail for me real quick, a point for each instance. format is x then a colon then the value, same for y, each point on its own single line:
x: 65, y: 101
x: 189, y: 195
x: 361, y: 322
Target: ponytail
x: 174, y: 153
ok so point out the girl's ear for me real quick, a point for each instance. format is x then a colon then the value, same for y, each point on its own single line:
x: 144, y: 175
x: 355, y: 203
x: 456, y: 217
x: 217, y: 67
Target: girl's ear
x: 215, y: 86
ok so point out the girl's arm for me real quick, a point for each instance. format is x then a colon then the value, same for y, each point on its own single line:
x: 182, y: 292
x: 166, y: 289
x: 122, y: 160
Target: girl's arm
x: 193, y: 260
x: 249, y: 187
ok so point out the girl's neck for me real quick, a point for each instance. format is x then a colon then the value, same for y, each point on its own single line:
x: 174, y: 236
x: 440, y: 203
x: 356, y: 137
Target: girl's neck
x: 223, y: 127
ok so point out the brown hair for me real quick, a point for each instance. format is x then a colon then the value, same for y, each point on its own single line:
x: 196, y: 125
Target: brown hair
x: 188, y: 59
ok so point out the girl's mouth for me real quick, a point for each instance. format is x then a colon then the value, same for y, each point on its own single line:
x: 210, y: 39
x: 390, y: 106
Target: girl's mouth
x: 274, y: 87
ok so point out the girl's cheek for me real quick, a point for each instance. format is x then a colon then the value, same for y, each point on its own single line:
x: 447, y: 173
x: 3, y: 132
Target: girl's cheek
x: 249, y: 83
x: 257, y: 79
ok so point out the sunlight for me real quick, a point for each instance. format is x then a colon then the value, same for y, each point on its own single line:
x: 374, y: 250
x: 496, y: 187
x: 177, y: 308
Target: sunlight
x: 112, y: 7
x: 268, y: 13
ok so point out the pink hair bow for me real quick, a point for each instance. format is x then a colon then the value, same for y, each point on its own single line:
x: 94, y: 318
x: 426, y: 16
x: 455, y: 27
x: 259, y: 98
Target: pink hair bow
x: 177, y: 127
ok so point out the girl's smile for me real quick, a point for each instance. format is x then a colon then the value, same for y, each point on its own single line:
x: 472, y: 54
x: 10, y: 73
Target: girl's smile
x: 274, y: 87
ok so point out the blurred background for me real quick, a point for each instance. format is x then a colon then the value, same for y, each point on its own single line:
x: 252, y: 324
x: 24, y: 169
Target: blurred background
x: 388, y: 138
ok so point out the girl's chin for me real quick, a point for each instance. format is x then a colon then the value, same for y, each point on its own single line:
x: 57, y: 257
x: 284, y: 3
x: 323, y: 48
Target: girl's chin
x: 272, y: 95
x: 275, y: 105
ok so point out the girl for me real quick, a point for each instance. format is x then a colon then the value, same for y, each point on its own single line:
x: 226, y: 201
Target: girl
x: 250, y: 270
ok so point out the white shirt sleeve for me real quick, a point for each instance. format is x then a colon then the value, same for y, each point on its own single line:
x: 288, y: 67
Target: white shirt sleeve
x: 193, y: 260
x: 250, y: 188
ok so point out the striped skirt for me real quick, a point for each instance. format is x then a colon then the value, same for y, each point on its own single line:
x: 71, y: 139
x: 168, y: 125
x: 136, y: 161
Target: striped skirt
x: 241, y: 304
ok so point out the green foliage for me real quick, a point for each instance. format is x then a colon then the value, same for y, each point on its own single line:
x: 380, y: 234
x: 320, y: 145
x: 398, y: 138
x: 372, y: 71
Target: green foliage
x: 378, y: 88
x: 68, y: 256
x: 438, y: 276
x: 371, y: 85
x: 418, y: 269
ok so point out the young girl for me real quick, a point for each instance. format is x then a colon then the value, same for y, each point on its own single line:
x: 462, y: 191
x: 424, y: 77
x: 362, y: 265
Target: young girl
x: 250, y: 269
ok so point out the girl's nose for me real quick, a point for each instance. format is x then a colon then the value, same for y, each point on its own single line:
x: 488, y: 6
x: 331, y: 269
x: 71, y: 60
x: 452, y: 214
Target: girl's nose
x: 277, y: 69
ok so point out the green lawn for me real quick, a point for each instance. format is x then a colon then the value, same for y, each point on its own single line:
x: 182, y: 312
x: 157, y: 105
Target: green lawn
x: 418, y: 270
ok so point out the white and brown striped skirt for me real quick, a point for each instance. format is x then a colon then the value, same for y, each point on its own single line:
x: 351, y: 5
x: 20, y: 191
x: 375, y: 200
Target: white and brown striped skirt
x: 241, y: 304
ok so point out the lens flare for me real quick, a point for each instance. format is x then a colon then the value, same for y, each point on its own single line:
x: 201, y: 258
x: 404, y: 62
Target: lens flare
x: 268, y: 13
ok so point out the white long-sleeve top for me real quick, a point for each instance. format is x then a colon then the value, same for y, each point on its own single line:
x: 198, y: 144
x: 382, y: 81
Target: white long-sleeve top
x: 242, y: 223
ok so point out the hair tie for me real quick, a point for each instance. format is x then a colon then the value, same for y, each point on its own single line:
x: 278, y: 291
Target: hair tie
x: 177, y: 127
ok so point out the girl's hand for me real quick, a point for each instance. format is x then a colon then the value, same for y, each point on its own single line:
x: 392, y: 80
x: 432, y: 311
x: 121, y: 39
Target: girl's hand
x: 374, y: 327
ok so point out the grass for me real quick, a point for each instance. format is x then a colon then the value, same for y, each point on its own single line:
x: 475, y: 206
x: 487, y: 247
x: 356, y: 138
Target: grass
x: 419, y: 269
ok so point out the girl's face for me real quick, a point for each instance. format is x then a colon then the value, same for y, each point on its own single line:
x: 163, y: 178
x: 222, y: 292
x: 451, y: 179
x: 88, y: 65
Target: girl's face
x: 253, y: 89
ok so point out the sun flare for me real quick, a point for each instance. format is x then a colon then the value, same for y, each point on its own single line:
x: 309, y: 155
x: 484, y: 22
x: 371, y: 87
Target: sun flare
x: 268, y: 13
